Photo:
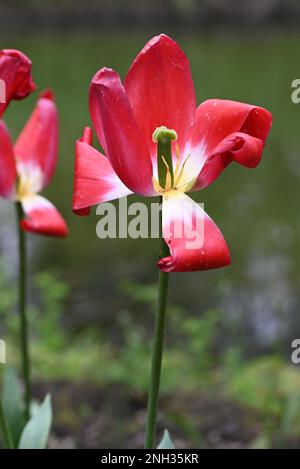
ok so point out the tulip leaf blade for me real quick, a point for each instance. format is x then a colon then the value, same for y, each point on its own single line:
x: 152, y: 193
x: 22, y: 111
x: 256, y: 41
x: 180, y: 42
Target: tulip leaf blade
x: 36, y: 432
x: 12, y: 405
x: 166, y: 442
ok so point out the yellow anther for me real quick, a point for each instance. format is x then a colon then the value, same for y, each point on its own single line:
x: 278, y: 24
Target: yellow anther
x: 179, y: 176
x: 177, y: 152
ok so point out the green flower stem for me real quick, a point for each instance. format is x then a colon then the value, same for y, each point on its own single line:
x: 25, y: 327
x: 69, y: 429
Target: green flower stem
x: 157, y: 353
x: 22, y: 311
x: 7, y: 439
x: 163, y: 138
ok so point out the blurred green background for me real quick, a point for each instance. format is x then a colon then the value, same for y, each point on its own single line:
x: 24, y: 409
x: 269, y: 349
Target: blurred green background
x: 228, y: 380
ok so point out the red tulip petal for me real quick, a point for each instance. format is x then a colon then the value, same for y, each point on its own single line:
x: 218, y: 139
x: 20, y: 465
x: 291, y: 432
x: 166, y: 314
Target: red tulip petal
x: 42, y: 217
x: 119, y: 133
x: 195, y: 242
x: 239, y: 147
x: 160, y: 89
x: 37, y: 144
x: 95, y: 180
x: 216, y: 122
x: 8, y: 172
x: 15, y: 71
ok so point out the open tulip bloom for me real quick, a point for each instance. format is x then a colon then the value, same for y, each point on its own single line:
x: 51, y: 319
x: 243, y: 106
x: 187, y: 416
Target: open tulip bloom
x: 158, y: 142
x: 158, y: 92
x: 25, y: 169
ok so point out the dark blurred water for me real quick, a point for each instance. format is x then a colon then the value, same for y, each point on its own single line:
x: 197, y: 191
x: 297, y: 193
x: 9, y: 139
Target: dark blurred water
x: 257, y: 210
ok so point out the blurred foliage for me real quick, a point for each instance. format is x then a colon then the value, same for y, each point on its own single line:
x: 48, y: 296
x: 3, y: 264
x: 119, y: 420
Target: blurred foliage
x: 271, y: 387
x: 183, y: 13
x: 58, y: 354
x: 194, y: 358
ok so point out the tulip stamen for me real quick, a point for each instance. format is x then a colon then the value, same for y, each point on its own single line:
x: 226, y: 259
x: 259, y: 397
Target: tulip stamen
x: 168, y: 179
x: 157, y: 186
x: 168, y: 184
x: 180, y: 172
x: 171, y: 180
x: 177, y: 167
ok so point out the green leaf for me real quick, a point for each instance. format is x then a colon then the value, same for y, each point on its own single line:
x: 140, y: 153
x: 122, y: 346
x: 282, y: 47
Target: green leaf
x: 166, y: 442
x: 7, y: 439
x: 35, y: 434
x: 12, y: 405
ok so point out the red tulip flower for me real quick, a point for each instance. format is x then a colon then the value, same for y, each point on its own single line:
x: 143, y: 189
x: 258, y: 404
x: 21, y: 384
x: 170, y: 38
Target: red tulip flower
x: 28, y: 166
x: 158, y: 92
x: 15, y: 76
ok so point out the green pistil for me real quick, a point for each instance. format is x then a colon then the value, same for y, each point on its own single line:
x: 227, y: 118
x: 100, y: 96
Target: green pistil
x: 163, y: 137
